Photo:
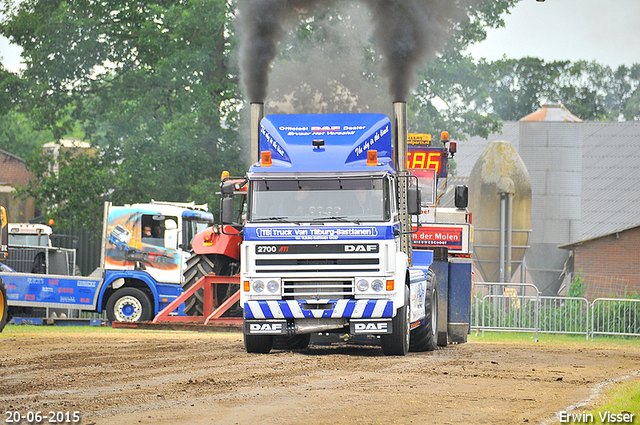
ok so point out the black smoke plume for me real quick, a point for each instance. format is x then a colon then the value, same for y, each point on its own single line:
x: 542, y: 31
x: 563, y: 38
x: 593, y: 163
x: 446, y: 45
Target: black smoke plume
x: 407, y: 33
x: 261, y: 28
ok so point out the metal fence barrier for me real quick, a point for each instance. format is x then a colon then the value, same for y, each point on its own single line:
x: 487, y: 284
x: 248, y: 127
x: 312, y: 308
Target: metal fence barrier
x: 520, y: 308
x: 613, y: 316
x: 42, y: 259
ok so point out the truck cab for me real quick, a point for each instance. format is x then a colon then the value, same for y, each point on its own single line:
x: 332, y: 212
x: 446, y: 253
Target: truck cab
x: 322, y: 245
x: 23, y: 234
x: 145, y: 248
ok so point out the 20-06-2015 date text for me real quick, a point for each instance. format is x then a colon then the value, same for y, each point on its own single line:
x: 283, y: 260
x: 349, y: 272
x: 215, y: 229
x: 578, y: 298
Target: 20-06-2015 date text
x: 49, y: 417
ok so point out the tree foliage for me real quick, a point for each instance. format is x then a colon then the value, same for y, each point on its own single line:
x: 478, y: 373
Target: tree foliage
x: 70, y: 185
x: 151, y: 83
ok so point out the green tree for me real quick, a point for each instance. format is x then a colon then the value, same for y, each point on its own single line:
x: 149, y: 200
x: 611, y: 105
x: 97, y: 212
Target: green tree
x: 454, y: 90
x: 18, y: 137
x: 152, y: 84
x: 521, y: 85
x: 71, y: 186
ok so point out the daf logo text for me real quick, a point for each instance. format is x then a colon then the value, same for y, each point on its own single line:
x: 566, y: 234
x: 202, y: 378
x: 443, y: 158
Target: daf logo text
x: 361, y: 248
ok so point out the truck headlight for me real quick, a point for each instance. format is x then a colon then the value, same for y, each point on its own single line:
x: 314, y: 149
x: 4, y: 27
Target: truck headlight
x: 258, y: 286
x: 273, y: 286
x: 362, y: 285
x: 377, y: 285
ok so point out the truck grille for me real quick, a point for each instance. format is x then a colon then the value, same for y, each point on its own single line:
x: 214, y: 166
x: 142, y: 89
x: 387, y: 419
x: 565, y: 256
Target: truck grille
x: 317, y: 289
x: 317, y: 270
x: 317, y: 265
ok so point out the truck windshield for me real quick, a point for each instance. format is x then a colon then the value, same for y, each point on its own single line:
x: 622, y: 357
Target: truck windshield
x: 334, y: 200
x: 190, y: 229
x: 28, y: 240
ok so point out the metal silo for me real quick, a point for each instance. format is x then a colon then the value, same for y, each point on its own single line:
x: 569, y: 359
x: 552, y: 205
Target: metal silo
x: 550, y: 145
x: 499, y: 170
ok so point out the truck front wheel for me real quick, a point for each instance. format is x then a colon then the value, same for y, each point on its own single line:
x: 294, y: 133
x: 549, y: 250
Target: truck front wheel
x: 129, y: 305
x: 425, y: 337
x: 4, y: 309
x: 397, y: 343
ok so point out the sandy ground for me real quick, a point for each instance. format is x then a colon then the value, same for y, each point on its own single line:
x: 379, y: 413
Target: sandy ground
x: 162, y: 377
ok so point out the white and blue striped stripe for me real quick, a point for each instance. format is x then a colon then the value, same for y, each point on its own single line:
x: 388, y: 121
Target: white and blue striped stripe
x: 292, y: 309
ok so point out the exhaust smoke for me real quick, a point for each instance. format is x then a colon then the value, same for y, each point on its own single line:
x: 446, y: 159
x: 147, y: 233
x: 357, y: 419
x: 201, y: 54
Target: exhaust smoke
x: 261, y: 25
x: 406, y: 33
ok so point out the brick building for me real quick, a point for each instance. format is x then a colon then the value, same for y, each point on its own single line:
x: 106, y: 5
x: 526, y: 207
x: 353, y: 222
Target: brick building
x: 13, y: 172
x: 609, y: 264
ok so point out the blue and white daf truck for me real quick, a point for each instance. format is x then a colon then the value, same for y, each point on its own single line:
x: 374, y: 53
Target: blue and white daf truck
x: 327, y: 236
x: 144, y: 252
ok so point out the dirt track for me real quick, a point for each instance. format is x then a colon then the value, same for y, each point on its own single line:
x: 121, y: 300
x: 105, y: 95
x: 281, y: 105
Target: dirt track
x: 127, y: 377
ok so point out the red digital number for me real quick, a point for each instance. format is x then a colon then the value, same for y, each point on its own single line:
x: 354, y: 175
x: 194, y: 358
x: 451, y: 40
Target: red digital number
x: 424, y: 160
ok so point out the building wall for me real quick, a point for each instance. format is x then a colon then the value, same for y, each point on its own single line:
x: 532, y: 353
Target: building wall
x: 610, y: 265
x: 13, y: 172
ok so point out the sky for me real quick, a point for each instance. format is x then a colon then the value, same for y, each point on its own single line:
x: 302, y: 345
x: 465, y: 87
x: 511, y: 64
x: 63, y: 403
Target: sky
x: 606, y: 31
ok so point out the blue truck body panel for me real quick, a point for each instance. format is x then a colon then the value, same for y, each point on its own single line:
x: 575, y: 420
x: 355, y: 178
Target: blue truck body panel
x: 163, y: 293
x: 255, y: 232
x: 77, y: 292
x: 346, y: 137
x: 33, y: 290
x: 459, y: 302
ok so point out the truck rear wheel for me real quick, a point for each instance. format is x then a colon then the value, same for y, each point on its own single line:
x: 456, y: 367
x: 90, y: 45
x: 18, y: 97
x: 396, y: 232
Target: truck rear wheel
x: 129, y: 305
x: 425, y: 337
x: 199, y: 265
x: 4, y: 309
x: 397, y: 343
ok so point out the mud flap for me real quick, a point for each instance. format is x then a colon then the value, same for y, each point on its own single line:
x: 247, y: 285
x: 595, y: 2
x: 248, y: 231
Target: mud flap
x: 265, y: 327
x: 373, y: 326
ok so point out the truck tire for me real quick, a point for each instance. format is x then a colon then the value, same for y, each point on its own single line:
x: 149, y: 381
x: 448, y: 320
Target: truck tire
x: 129, y: 305
x: 295, y: 342
x: 425, y: 337
x: 199, y: 265
x: 397, y: 343
x: 4, y: 309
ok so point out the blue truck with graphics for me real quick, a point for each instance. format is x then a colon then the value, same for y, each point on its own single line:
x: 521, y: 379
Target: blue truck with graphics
x: 138, y: 275
x: 327, y: 239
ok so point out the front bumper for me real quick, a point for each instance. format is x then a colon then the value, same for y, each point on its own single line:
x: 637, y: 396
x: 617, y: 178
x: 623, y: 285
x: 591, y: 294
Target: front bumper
x: 319, y: 309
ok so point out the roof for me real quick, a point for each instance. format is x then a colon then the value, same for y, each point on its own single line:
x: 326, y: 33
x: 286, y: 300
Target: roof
x: 610, y: 177
x: 67, y: 143
x: 10, y: 155
x: 551, y: 112
x: 574, y: 243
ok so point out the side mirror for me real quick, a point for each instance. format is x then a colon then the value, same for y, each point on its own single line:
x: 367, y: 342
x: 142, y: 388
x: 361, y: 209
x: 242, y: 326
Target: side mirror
x: 414, y: 200
x: 227, y: 189
x: 226, y: 210
x: 462, y: 197
x: 171, y: 239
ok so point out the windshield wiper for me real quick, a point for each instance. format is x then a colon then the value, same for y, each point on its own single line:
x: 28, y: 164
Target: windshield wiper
x: 336, y: 218
x: 278, y: 219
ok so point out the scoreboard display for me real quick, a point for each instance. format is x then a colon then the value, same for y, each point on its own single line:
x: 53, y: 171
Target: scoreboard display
x: 427, y: 158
